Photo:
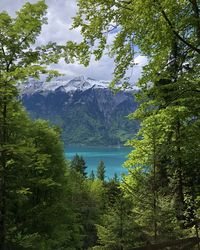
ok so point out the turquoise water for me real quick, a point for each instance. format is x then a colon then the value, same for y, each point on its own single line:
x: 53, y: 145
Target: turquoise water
x: 113, y: 158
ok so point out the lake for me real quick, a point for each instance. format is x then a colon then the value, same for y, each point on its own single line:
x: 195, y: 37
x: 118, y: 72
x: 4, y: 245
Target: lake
x: 113, y: 158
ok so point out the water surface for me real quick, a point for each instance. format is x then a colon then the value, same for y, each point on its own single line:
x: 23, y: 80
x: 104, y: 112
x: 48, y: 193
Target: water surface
x: 113, y: 158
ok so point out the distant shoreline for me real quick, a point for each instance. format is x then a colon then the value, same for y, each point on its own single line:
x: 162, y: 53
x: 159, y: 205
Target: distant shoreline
x: 95, y: 146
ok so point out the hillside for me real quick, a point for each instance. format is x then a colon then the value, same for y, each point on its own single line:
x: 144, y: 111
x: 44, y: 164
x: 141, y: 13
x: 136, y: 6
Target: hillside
x: 86, y: 110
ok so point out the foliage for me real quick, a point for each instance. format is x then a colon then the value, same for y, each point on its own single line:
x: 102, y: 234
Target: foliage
x: 88, y: 201
x: 92, y: 176
x: 101, y: 171
x: 79, y: 165
x: 153, y: 27
x: 31, y: 171
x: 118, y: 228
x: 166, y: 148
x: 45, y: 204
x: 38, y: 215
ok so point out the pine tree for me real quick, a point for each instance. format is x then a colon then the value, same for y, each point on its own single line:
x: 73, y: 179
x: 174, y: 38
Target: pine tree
x: 92, y: 176
x: 101, y: 171
x: 118, y: 229
x: 79, y: 165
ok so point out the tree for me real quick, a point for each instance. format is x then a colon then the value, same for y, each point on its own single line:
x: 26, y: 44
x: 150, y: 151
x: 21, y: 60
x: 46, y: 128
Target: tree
x: 92, y: 176
x: 79, y: 165
x: 101, y: 171
x: 118, y: 229
x: 168, y: 34
x: 19, y: 60
x: 38, y: 188
x: 151, y: 26
x: 88, y: 202
x: 148, y: 183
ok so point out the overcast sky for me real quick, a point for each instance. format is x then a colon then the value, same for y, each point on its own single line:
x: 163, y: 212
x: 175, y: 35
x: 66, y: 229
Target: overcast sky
x: 60, y: 13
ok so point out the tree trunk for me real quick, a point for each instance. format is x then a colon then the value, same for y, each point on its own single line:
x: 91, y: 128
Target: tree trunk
x: 180, y: 193
x: 3, y: 141
x: 154, y: 191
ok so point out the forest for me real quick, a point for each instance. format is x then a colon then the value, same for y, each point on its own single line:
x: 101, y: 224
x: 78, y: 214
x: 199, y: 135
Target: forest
x: 49, y: 203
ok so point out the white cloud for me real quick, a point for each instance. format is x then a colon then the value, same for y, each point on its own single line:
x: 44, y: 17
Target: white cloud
x: 141, y: 60
x: 60, y: 13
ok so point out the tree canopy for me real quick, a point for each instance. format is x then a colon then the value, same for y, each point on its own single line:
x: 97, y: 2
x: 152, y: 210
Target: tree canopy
x: 165, y: 156
x: 152, y: 26
x: 19, y: 60
x: 45, y: 204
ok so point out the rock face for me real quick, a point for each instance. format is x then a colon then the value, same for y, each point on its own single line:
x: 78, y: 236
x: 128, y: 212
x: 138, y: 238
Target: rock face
x: 86, y: 110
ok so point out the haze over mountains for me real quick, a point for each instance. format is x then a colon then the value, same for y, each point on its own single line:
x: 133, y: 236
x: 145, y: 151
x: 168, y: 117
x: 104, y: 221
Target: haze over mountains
x: 86, y: 109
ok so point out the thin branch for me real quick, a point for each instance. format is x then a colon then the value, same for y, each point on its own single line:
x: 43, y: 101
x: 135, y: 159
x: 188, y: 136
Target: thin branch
x: 4, y: 53
x: 195, y: 9
x: 124, y: 5
x: 134, y: 193
x: 120, y: 4
x: 21, y: 42
x: 176, y: 33
x: 182, y: 93
x: 111, y: 28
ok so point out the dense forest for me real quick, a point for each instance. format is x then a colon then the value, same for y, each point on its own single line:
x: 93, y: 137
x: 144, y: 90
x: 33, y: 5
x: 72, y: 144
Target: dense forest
x: 47, y: 202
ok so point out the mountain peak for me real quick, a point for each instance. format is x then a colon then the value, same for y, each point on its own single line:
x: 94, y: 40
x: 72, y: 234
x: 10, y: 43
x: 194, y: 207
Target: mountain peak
x: 81, y: 83
x: 81, y: 78
x: 86, y: 109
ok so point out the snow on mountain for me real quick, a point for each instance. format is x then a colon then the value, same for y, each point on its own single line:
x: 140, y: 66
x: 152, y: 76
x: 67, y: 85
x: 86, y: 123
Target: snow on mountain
x: 81, y: 83
x: 88, y: 112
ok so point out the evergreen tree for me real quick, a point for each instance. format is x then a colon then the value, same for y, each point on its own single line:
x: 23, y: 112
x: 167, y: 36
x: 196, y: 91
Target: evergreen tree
x: 101, y: 171
x: 118, y: 229
x: 92, y: 176
x: 79, y: 165
x: 88, y: 201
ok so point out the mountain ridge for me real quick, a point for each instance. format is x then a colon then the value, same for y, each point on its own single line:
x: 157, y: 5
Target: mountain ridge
x: 87, y: 110
x: 77, y: 83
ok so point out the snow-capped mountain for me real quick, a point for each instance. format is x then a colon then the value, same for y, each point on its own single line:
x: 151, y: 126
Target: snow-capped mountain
x: 86, y: 109
x: 78, y: 83
x: 81, y: 83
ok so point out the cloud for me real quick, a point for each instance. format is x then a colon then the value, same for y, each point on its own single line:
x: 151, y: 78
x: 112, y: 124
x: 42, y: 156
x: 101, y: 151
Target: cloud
x: 140, y: 62
x: 60, y: 15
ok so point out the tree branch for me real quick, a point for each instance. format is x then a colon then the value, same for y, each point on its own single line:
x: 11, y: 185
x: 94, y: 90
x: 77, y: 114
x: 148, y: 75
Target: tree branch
x: 195, y: 9
x: 176, y: 33
x: 123, y: 5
